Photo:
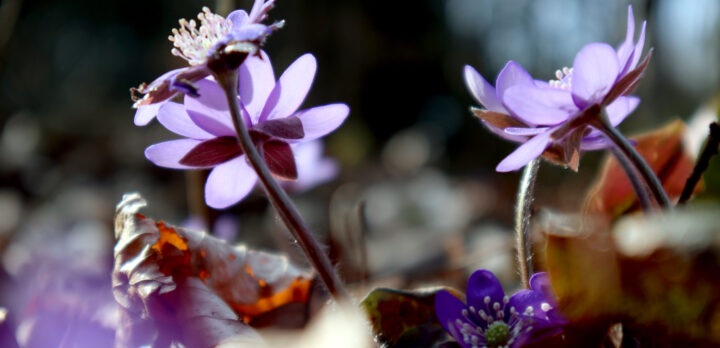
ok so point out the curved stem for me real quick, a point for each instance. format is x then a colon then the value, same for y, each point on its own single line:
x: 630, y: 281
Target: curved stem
x: 602, y: 123
x: 709, y: 150
x: 278, y: 198
x: 640, y: 189
x: 523, y: 213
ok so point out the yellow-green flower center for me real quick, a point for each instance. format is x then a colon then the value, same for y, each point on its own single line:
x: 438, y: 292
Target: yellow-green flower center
x: 497, y: 334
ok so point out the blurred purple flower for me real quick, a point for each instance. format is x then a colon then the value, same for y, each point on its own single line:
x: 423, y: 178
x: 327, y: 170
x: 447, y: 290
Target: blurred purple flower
x: 546, y: 116
x: 241, y: 31
x: 313, y: 168
x: 269, y: 110
x: 491, y: 319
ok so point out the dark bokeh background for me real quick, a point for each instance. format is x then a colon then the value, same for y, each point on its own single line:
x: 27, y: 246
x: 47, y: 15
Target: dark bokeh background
x: 410, y: 150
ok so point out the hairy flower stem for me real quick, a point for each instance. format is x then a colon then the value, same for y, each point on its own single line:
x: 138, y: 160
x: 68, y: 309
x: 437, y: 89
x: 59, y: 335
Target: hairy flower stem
x: 602, y: 123
x: 228, y: 80
x: 640, y: 189
x: 523, y: 213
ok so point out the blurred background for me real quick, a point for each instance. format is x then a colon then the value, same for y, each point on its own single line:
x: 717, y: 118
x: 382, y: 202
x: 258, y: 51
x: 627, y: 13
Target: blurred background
x: 416, y: 184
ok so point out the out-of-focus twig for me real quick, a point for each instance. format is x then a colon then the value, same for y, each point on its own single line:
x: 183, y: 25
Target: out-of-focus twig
x: 9, y: 11
x: 710, y: 150
x: 223, y: 7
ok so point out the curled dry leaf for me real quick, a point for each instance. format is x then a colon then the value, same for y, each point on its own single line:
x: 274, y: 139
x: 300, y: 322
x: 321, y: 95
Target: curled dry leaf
x: 657, y: 275
x: 663, y: 149
x: 183, y: 279
x: 405, y: 318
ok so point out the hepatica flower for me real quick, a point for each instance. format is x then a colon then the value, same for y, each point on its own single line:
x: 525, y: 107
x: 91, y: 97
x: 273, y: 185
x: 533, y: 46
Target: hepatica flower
x: 269, y: 110
x: 491, y: 319
x: 550, y: 118
x: 240, y: 33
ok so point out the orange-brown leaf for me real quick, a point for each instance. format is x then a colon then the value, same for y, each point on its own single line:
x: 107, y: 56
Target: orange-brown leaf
x: 612, y: 194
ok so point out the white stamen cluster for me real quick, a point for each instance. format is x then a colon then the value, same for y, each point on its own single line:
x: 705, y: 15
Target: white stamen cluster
x: 564, y: 79
x: 192, y: 42
x: 475, y: 335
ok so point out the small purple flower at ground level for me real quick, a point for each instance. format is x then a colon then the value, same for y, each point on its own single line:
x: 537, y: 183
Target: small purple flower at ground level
x: 545, y: 116
x: 195, y: 44
x: 491, y: 319
x: 269, y: 110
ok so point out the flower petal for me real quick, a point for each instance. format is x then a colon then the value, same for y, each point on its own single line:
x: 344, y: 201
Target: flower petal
x: 290, y: 128
x: 541, y: 282
x: 238, y: 19
x: 482, y: 91
x: 256, y: 80
x: 174, y: 117
x: 145, y: 113
x: 496, y: 122
x: 622, y: 107
x: 157, y: 91
x: 525, y: 131
x: 229, y: 183
x: 448, y: 310
x: 212, y: 152
x: 484, y: 290
x: 512, y: 74
x: 313, y: 169
x: 523, y: 299
x: 637, y: 52
x: 280, y: 159
x: 168, y: 153
x: 321, y: 120
x: 540, y: 105
x: 595, y: 70
x: 626, y: 48
x: 291, y: 89
x: 595, y: 142
x: 525, y: 153
x: 210, y: 111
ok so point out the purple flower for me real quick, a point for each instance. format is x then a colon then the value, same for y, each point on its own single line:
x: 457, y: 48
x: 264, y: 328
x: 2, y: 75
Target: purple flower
x: 241, y: 30
x: 546, y: 116
x: 269, y: 110
x: 491, y: 319
x: 313, y: 168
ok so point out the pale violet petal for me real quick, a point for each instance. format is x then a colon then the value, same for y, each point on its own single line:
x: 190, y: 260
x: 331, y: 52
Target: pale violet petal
x: 256, y: 80
x: 532, y: 149
x: 483, y: 92
x: 321, y: 120
x: 595, y: 70
x: 174, y: 117
x: 229, y: 182
x: 145, y: 113
x: 169, y: 153
x: 540, y: 105
x: 511, y: 75
x: 291, y: 88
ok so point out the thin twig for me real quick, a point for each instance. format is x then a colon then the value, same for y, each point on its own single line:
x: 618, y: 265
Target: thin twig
x: 710, y: 150
x: 523, y: 213
x: 640, y: 189
x: 602, y: 123
x: 278, y: 198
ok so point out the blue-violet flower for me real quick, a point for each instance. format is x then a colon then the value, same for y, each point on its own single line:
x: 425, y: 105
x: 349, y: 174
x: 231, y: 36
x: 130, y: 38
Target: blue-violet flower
x: 269, y: 110
x: 547, y: 117
x: 240, y: 31
x: 491, y: 319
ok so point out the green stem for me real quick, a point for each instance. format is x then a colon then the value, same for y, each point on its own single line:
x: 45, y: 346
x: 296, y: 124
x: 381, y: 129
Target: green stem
x: 523, y: 213
x: 278, y: 198
x: 602, y: 123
